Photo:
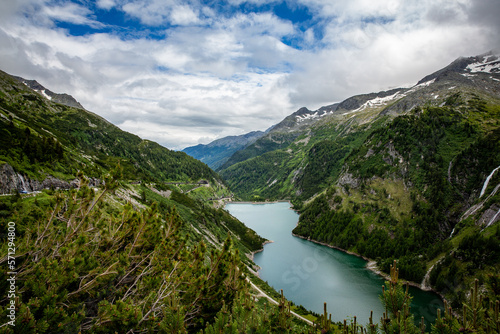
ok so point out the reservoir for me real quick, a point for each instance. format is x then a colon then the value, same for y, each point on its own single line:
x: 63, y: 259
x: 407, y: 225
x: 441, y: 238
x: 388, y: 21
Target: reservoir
x: 311, y: 274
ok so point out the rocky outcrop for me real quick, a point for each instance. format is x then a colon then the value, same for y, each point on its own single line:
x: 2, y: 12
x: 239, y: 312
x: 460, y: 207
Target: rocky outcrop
x: 348, y: 179
x: 65, y: 99
x: 11, y: 181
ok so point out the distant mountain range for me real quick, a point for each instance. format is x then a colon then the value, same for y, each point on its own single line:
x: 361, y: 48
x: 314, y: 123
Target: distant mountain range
x: 218, y: 152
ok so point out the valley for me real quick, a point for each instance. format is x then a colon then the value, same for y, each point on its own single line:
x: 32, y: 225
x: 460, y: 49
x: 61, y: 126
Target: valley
x: 120, y: 234
x: 399, y: 175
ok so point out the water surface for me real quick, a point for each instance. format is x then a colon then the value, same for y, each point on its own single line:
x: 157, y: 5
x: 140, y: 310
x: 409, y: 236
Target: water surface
x: 311, y: 274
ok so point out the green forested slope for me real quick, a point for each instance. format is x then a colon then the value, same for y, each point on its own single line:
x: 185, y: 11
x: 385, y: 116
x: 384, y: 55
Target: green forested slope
x: 409, y: 186
x: 93, y: 262
x: 38, y: 137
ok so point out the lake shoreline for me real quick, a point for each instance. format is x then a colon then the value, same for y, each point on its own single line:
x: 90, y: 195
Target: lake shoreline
x: 351, y: 288
x: 370, y: 265
x: 260, y: 250
x: 267, y: 202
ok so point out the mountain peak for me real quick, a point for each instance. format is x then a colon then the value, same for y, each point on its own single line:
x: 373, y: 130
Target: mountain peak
x: 488, y: 62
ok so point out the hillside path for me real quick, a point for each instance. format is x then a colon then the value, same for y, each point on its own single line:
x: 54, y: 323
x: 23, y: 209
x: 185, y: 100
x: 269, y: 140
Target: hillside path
x: 263, y: 294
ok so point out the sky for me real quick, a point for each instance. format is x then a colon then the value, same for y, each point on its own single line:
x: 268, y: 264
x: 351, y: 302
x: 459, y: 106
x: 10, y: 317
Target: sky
x: 183, y: 73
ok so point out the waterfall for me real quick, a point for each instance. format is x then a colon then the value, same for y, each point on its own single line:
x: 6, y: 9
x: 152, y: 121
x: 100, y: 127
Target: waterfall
x: 493, y: 219
x: 485, y: 185
x: 453, y: 231
x: 22, y: 182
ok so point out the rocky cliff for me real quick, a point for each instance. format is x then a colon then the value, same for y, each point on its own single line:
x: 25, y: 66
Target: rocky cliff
x: 11, y: 181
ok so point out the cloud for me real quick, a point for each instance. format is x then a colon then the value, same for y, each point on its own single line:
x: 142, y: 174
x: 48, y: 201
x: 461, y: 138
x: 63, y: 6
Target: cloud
x: 368, y: 46
x: 486, y: 13
x: 164, y: 12
x: 106, y: 4
x: 183, y: 15
x: 70, y: 13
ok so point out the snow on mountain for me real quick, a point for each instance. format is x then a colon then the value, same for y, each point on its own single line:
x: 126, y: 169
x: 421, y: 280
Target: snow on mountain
x: 48, y: 97
x: 377, y: 102
x: 315, y: 115
x: 489, y: 64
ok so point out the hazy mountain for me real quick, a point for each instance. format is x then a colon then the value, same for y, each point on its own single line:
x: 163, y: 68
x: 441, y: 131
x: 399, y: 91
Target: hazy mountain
x: 218, y: 152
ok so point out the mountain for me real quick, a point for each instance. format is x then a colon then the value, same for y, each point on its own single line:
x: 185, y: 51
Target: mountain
x: 289, y: 142
x: 218, y: 152
x: 408, y: 174
x: 42, y: 138
x: 65, y: 99
x: 115, y: 233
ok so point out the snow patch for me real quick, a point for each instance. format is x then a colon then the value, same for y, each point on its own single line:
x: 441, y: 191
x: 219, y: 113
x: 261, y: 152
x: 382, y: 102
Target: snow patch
x: 301, y: 118
x: 419, y: 86
x: 485, y: 66
x: 467, y: 75
x: 45, y: 94
x: 376, y: 102
x: 42, y: 92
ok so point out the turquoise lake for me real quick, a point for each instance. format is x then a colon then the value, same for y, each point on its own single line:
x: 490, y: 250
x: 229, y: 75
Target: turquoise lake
x: 311, y: 274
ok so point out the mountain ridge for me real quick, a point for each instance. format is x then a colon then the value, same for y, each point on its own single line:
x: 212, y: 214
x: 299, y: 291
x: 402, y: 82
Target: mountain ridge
x: 59, y: 140
x: 63, y: 98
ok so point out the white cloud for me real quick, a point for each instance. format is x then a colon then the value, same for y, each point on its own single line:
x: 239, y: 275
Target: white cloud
x: 150, y: 12
x: 71, y: 13
x: 183, y: 15
x: 106, y: 4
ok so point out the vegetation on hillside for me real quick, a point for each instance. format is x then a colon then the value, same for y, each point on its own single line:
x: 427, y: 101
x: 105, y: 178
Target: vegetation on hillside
x: 42, y: 138
x: 457, y: 148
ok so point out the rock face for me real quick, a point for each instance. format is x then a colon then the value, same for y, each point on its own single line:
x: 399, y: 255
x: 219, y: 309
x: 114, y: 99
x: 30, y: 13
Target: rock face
x: 490, y: 216
x: 11, y: 181
x: 348, y: 179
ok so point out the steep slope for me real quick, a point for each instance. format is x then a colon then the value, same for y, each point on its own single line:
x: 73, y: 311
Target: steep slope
x: 40, y: 137
x: 107, y: 255
x: 219, y: 151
